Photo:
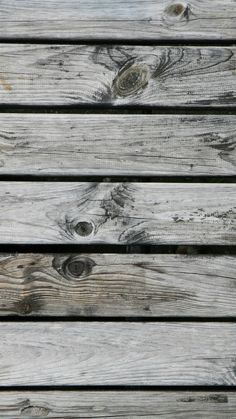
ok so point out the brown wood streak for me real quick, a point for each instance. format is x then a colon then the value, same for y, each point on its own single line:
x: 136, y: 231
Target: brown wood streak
x: 118, y: 75
x: 120, y: 144
x: 92, y: 285
x: 116, y: 404
x: 111, y: 19
x: 120, y: 353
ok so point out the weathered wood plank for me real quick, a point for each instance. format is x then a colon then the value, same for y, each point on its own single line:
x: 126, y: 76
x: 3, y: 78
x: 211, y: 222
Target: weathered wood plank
x: 117, y: 404
x: 117, y: 285
x: 117, y: 75
x: 106, y: 145
x: 118, y: 213
x: 90, y: 19
x: 121, y: 353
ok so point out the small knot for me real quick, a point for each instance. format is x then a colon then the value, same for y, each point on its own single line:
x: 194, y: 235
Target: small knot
x: 35, y: 411
x: 84, y: 228
x: 176, y: 11
x: 24, y: 307
x: 77, y: 267
x: 131, y: 79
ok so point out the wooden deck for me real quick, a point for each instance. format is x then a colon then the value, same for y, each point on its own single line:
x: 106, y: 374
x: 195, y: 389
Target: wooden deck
x: 118, y: 209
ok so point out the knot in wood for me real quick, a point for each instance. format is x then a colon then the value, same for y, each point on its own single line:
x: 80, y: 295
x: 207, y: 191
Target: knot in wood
x: 84, y: 228
x: 76, y: 267
x: 131, y: 79
x: 177, y: 11
x: 24, y: 307
x: 35, y: 411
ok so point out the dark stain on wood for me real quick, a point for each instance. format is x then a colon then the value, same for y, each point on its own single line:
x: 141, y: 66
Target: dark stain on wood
x: 131, y: 235
x: 115, y: 201
x: 208, y: 398
x: 225, y: 146
x: 5, y: 84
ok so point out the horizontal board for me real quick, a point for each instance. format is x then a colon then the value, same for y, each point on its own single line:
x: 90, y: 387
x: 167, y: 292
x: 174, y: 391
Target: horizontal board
x: 70, y: 144
x: 117, y: 404
x: 117, y: 75
x: 117, y: 285
x: 117, y: 213
x: 120, y: 353
x: 145, y: 19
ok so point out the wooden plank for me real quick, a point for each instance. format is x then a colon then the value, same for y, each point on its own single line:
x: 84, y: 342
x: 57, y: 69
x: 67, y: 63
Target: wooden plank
x: 120, y: 353
x: 146, y: 19
x: 118, y: 213
x: 92, y: 285
x: 117, y: 75
x: 53, y: 144
x: 116, y: 404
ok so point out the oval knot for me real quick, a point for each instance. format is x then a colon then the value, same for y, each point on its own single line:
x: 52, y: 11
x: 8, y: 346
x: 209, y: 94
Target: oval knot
x: 131, y: 79
x: 176, y: 12
x: 84, y: 228
x: 76, y: 267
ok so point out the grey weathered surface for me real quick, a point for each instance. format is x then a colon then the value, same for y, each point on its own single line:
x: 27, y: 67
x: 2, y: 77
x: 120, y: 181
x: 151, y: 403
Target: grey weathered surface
x: 106, y: 144
x: 117, y: 75
x: 117, y: 285
x: 121, y: 353
x: 118, y: 404
x: 92, y: 19
x: 118, y: 213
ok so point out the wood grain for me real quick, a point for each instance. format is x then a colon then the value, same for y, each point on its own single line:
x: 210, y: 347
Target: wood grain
x: 145, y: 19
x: 118, y: 213
x: 117, y: 404
x: 103, y: 144
x: 120, y: 353
x: 91, y: 285
x: 117, y: 75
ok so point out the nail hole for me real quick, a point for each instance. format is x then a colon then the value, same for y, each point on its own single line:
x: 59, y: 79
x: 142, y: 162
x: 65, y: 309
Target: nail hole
x: 84, y: 228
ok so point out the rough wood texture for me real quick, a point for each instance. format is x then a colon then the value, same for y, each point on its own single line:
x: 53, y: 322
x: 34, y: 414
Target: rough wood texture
x: 117, y: 75
x: 117, y: 285
x: 118, y: 404
x: 118, y: 213
x: 92, y: 19
x: 121, y: 353
x: 117, y: 144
